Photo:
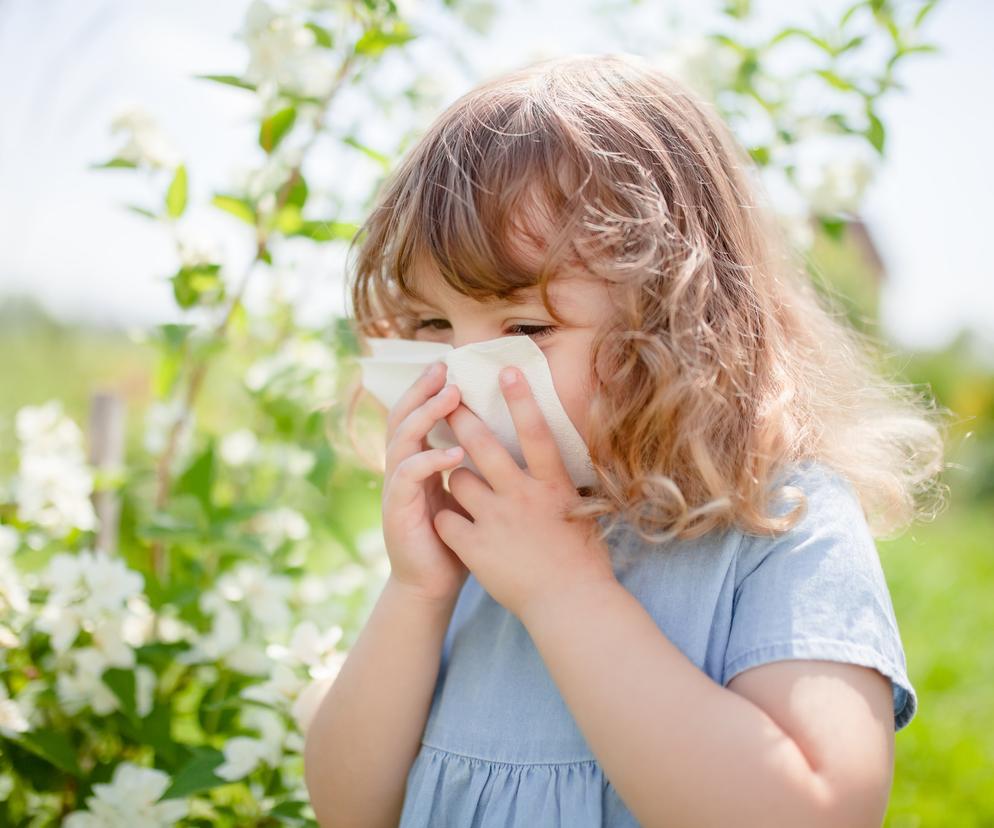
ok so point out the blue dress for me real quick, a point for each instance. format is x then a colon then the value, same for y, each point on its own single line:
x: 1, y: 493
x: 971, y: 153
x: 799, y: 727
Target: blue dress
x: 500, y: 748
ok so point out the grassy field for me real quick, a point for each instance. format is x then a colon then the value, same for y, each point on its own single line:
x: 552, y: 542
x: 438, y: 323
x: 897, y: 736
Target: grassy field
x: 941, y: 576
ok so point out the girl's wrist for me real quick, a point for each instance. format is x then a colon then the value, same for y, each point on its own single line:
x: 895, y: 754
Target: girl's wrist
x: 435, y: 603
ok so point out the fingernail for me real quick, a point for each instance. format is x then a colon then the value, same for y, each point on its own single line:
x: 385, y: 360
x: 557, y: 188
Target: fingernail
x: 431, y: 369
x: 509, y: 376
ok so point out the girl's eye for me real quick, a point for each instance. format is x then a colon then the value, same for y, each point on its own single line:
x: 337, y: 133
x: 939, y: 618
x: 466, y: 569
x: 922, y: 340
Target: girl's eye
x: 537, y: 331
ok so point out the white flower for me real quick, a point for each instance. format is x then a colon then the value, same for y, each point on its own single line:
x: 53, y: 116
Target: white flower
x: 54, y: 482
x: 308, y: 645
x: 146, y: 143
x: 196, y: 247
x: 9, y: 541
x: 303, y: 370
x: 284, y: 51
x: 239, y: 447
x: 173, y: 629
x: 224, y: 636
x: 53, y: 492
x: 44, y: 429
x: 130, y: 800
x: 145, y: 680
x: 13, y: 718
x: 8, y: 640
x: 243, y: 754
x: 263, y: 592
x: 90, y: 590
x: 138, y: 625
x: 13, y: 595
x: 279, y: 525
x: 83, y: 685
x: 108, y: 638
x: 279, y: 690
x: 250, y: 659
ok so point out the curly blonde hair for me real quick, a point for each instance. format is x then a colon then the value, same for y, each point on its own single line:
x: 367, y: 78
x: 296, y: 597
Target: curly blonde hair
x: 720, y: 365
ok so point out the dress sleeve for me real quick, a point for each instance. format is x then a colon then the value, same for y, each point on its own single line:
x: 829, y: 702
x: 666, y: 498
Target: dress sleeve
x: 818, y: 591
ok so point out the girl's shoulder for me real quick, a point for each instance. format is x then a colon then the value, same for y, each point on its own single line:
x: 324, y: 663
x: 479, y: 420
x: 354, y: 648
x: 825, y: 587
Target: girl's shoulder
x: 818, y: 589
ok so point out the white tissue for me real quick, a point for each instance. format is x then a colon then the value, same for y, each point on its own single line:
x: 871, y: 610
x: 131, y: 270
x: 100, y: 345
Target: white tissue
x: 395, y: 364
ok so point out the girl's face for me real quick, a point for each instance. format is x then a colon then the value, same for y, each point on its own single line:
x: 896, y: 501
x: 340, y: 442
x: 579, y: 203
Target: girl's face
x: 458, y: 320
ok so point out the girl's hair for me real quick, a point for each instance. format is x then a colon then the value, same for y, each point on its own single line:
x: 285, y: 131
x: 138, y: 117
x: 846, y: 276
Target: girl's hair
x: 720, y: 364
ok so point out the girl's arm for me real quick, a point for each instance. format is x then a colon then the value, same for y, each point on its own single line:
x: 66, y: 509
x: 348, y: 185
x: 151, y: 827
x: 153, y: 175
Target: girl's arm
x: 682, y: 750
x: 367, y: 730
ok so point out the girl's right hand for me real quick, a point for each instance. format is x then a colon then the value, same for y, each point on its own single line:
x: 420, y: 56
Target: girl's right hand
x: 413, y: 493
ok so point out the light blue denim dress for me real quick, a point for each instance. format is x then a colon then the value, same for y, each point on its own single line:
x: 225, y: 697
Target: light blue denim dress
x: 501, y: 749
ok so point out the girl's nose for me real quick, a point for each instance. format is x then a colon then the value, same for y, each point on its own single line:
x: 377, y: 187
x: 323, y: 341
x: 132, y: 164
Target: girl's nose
x: 472, y: 338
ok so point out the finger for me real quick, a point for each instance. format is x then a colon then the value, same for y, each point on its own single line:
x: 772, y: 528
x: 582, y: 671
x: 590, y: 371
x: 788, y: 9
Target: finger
x: 410, y: 434
x: 497, y: 466
x: 414, y: 470
x: 470, y: 490
x: 456, y: 532
x: 430, y: 381
x: 538, y: 444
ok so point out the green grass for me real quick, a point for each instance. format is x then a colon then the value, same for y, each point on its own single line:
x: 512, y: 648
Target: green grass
x: 941, y: 577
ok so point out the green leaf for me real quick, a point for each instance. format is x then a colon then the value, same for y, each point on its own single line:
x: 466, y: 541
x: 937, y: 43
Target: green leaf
x: 113, y: 163
x: 289, y: 812
x: 198, y: 479
x: 378, y: 157
x: 239, y: 207
x: 322, y: 36
x: 327, y: 230
x: 197, y: 774
x: 298, y: 191
x: 835, y: 80
x: 834, y: 227
x: 794, y: 31
x: 228, y: 80
x: 198, y: 284
x: 155, y: 731
x: 923, y: 11
x: 374, y: 41
x: 855, y: 7
x: 273, y: 128
x: 122, y: 684
x: 176, y: 194
x: 52, y: 746
x: 134, y: 208
x: 289, y: 220
x: 760, y: 154
x: 875, y: 133
x: 923, y: 48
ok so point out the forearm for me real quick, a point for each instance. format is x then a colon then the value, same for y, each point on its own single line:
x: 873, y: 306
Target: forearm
x: 368, y: 727
x: 680, y: 749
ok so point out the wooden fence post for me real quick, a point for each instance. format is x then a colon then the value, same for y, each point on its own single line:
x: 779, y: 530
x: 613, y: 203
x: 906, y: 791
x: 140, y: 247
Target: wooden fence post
x: 107, y: 454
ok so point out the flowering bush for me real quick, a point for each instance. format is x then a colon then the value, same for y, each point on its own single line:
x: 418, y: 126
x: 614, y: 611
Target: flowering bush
x: 170, y: 679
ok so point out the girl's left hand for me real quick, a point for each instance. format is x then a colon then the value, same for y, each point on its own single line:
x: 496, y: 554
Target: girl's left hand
x: 517, y: 544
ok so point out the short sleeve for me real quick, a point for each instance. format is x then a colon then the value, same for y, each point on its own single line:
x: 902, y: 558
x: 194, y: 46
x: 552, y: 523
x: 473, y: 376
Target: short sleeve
x: 818, y: 591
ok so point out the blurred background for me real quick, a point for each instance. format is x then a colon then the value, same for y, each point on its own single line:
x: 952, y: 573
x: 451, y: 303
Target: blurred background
x: 179, y: 182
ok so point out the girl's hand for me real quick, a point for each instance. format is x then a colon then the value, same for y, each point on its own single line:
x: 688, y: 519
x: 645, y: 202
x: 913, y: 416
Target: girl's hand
x: 514, y: 539
x: 413, y: 492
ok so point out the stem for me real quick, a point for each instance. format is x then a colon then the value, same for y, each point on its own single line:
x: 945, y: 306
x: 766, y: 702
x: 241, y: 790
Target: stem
x: 199, y: 371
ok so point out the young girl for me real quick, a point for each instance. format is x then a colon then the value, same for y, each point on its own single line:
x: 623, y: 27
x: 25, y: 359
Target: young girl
x: 705, y: 636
